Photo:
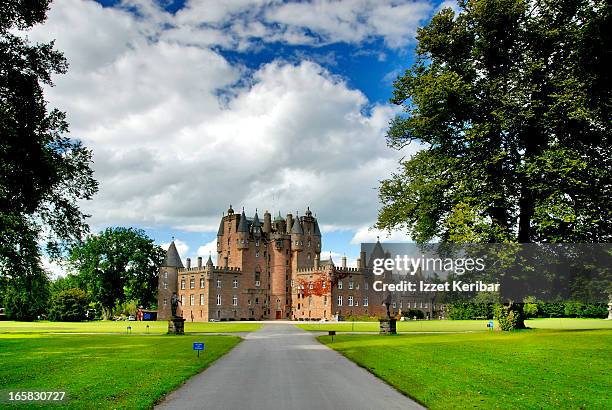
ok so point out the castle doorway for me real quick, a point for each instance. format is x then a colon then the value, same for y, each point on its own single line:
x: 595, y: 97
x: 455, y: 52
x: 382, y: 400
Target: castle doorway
x: 279, y: 314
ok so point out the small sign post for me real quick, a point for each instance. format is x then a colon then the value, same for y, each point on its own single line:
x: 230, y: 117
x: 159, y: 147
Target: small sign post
x: 198, y: 346
x: 491, y: 325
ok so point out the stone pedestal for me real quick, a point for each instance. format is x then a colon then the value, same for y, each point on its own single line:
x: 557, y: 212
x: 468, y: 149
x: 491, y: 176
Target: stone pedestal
x: 176, y: 326
x: 388, y: 326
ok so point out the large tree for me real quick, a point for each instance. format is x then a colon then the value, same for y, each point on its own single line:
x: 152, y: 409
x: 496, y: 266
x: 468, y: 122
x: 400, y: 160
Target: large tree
x: 116, y: 265
x: 511, y: 102
x: 43, y: 173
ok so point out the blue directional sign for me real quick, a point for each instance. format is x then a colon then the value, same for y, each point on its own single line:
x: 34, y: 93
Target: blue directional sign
x: 198, y: 346
x: 490, y: 324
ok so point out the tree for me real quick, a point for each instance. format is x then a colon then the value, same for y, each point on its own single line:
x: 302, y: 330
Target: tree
x: 511, y: 101
x: 118, y: 264
x: 43, y: 173
x: 69, y: 305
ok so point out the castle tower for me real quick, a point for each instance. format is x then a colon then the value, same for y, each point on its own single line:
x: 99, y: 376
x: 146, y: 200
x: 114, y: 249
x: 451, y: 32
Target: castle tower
x: 242, y: 233
x: 267, y: 225
x: 168, y: 282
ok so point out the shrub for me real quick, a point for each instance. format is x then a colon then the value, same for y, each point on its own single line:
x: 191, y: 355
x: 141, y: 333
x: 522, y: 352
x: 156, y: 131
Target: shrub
x: 69, y: 305
x: 411, y: 313
x: 530, y: 308
x: 470, y: 311
x: 509, y: 317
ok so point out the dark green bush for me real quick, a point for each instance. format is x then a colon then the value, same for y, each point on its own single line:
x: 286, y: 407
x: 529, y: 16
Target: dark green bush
x: 69, y: 305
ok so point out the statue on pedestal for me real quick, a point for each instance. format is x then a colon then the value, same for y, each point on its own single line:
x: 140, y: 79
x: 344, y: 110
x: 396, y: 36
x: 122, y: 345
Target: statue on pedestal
x: 174, y: 304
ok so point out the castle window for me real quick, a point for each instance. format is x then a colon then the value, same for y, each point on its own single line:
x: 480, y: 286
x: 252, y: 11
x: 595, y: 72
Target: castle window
x: 201, y: 299
x: 182, y: 300
x: 235, y: 283
x: 365, y: 301
x: 324, y: 284
x: 366, y: 285
x: 165, y: 302
x: 324, y: 300
x: 182, y: 283
x: 192, y: 300
x: 257, y: 301
x: 350, y: 284
x: 257, y: 283
x: 192, y: 283
x: 394, y: 305
x: 201, y: 283
x: 339, y: 300
x: 311, y: 285
x: 257, y: 242
x: 308, y: 256
x: 309, y: 243
x: 249, y: 302
x: 218, y: 283
x: 356, y: 302
x: 340, y: 285
x: 350, y: 300
x: 218, y: 300
x: 309, y: 300
x: 235, y: 300
x: 257, y: 253
x: 165, y: 285
x: 165, y: 275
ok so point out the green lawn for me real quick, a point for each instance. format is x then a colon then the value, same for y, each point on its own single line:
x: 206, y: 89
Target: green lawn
x: 155, y: 327
x: 525, y: 369
x: 104, y: 371
x: 457, y: 325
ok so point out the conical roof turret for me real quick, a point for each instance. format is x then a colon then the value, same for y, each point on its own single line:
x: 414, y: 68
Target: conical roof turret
x: 220, y: 231
x: 209, y: 262
x: 256, y: 223
x: 296, y: 229
x: 172, y: 259
x: 243, y: 225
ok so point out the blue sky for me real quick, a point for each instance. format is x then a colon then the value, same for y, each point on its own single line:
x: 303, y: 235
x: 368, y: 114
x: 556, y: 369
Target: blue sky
x: 191, y: 106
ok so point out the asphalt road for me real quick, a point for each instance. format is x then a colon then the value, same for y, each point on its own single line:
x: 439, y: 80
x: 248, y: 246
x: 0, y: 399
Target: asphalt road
x: 283, y: 367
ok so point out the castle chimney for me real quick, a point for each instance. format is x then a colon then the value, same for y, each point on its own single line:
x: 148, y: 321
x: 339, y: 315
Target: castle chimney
x: 225, y: 261
x: 188, y: 263
x: 199, y: 262
x: 362, y: 259
x: 358, y: 263
x: 316, y: 261
x: 267, y: 225
x: 289, y: 222
x: 344, y: 261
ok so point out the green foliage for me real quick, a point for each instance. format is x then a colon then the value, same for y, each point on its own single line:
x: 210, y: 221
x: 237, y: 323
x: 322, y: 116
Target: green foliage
x: 25, y: 296
x: 586, y: 310
x: 512, y: 102
x: 43, y: 173
x: 551, y: 309
x: 412, y: 313
x: 530, y: 307
x: 509, y: 317
x: 470, y: 311
x: 69, y: 306
x: 116, y: 265
x: 127, y: 308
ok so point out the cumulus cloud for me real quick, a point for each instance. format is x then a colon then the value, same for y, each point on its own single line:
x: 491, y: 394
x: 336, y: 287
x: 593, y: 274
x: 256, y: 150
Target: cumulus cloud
x: 366, y: 234
x: 178, y: 132
x: 181, y: 247
x: 208, y: 249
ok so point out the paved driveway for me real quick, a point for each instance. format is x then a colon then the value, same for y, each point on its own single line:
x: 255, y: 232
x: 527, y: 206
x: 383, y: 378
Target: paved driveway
x: 283, y: 367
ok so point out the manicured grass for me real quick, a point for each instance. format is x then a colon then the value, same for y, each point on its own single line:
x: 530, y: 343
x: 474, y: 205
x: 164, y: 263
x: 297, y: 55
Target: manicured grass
x: 506, y: 370
x: 104, y: 371
x: 155, y: 327
x: 457, y: 325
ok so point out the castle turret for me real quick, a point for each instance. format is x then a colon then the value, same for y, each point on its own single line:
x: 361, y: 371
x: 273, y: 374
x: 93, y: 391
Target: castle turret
x: 289, y: 223
x: 267, y: 224
x: 297, y: 235
x: 256, y: 226
x: 279, y: 223
x: 168, y: 282
x: 242, y: 233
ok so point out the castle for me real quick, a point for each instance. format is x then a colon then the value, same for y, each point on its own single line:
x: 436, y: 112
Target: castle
x: 268, y: 270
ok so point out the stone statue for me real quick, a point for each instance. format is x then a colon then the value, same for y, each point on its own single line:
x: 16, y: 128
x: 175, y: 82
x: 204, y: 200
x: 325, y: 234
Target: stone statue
x: 387, y: 304
x: 174, y: 304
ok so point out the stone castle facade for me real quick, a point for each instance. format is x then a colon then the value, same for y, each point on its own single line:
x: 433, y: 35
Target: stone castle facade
x: 267, y: 270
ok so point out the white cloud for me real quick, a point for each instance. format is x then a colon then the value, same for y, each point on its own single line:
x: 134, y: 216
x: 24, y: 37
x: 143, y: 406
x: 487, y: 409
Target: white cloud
x: 55, y: 270
x: 181, y: 247
x: 178, y: 132
x: 208, y: 249
x: 366, y: 234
